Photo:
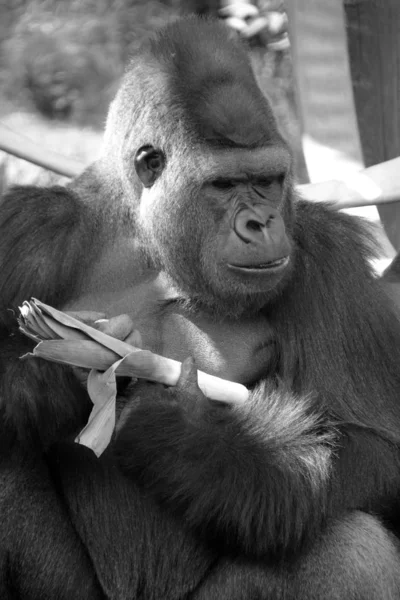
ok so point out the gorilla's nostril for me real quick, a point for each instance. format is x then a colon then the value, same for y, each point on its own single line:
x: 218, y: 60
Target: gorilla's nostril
x: 269, y: 220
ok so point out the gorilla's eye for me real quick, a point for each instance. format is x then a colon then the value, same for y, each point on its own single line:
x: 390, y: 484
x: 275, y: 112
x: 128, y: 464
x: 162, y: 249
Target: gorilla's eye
x: 149, y: 164
x: 223, y: 184
x: 155, y: 162
x: 268, y: 181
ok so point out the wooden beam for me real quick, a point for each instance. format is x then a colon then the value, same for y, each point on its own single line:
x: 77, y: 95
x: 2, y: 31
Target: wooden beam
x: 18, y: 145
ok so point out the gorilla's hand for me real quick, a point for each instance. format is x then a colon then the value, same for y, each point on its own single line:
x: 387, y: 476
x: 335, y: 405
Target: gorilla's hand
x: 187, y: 394
x: 185, y: 399
x: 230, y: 472
x: 120, y: 327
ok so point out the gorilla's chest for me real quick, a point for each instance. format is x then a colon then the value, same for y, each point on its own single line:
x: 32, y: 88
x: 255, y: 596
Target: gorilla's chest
x: 238, y: 351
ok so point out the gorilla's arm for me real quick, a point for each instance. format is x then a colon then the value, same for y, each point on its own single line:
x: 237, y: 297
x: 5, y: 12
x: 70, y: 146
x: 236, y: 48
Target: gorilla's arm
x: 46, y: 239
x: 252, y: 476
x: 50, y: 238
x: 263, y: 477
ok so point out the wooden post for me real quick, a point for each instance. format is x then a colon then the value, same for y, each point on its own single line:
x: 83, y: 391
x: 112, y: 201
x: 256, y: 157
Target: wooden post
x: 373, y: 33
x: 321, y: 67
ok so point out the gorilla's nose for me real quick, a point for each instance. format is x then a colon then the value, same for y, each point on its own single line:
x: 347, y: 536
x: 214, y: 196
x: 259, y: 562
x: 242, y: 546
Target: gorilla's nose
x: 253, y: 223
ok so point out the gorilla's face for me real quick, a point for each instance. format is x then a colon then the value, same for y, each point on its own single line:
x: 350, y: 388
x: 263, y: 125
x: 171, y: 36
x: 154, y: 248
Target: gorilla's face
x: 215, y: 220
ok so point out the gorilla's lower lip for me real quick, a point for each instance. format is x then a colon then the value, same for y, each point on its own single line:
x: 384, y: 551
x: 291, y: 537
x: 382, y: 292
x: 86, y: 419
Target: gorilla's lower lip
x: 280, y: 263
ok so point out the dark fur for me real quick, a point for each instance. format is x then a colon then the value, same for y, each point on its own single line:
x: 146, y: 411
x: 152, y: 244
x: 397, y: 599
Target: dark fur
x: 63, y: 222
x: 392, y: 273
x: 260, y: 501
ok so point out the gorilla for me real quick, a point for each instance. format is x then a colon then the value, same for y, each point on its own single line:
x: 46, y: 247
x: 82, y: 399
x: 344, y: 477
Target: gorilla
x: 189, y: 224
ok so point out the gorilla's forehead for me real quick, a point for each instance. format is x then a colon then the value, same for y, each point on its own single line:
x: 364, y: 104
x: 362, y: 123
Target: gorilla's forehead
x: 238, y: 164
x: 205, y: 79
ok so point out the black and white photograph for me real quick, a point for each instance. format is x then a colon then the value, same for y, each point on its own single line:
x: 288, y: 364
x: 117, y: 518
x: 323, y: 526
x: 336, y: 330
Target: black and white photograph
x: 200, y: 300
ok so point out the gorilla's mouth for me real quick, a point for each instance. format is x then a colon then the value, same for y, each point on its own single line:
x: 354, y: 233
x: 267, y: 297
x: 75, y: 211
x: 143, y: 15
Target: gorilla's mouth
x: 273, y: 265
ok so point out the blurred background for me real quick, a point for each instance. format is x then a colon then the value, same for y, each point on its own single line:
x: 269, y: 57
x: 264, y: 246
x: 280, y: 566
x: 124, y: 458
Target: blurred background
x: 61, y: 61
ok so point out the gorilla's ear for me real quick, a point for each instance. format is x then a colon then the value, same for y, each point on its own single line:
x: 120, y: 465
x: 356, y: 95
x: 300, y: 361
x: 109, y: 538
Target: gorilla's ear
x: 149, y: 164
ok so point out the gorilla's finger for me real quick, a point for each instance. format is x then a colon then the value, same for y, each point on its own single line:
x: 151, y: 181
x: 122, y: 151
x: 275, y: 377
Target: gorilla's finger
x: 86, y: 316
x: 188, y: 376
x: 188, y: 379
x: 119, y: 327
x: 134, y: 339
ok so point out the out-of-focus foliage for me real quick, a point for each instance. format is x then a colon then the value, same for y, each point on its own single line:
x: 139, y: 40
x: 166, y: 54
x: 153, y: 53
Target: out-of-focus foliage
x: 66, y: 57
